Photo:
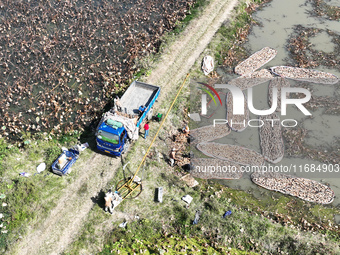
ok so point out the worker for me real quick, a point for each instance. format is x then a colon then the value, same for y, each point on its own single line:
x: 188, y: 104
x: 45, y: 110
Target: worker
x: 141, y: 109
x: 172, y: 157
x: 116, y: 200
x: 146, y: 128
x: 108, y: 201
x: 186, y: 130
x: 117, y: 105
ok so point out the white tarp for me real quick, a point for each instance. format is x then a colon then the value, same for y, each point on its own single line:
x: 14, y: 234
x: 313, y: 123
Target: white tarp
x: 207, y: 65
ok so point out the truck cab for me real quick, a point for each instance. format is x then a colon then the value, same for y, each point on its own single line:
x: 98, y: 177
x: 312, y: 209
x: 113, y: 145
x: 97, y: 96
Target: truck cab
x: 111, y: 140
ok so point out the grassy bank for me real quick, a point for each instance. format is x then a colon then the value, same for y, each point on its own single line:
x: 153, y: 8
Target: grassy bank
x: 29, y: 198
x: 168, y: 228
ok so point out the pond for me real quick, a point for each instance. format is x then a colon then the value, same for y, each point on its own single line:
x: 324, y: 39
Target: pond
x: 280, y: 21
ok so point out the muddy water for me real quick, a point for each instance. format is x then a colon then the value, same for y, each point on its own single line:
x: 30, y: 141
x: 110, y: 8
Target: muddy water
x: 322, y: 42
x: 65, y: 60
x: 278, y: 19
x: 334, y: 3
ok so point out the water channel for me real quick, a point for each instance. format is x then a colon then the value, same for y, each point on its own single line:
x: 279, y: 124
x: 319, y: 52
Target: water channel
x: 278, y: 21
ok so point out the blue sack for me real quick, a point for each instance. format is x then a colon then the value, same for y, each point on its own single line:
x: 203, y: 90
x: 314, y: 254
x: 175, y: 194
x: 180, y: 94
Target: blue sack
x: 227, y: 213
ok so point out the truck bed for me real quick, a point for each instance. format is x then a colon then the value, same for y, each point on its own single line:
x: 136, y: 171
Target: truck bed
x: 137, y: 94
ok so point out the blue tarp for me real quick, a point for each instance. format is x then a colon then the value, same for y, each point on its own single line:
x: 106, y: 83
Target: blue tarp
x: 227, y: 213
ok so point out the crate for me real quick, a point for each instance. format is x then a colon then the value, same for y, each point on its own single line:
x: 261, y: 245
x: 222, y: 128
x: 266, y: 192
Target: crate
x: 158, y: 117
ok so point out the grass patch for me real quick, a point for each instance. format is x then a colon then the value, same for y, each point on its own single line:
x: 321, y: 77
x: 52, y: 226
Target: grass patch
x: 243, y: 232
x: 194, y: 11
x: 33, y: 196
x: 173, y: 244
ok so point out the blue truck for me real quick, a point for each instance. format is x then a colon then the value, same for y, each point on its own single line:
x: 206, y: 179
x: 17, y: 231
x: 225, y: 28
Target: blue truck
x: 119, y: 126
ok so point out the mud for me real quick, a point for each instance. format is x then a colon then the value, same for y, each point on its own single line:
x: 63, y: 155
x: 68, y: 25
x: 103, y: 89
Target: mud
x: 305, y: 189
x: 255, y: 61
x: 232, y: 153
x: 277, y: 83
x: 237, y: 123
x: 271, y: 142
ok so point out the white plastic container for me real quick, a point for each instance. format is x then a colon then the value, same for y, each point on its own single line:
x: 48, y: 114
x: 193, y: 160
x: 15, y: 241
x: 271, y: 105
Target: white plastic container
x: 41, y: 167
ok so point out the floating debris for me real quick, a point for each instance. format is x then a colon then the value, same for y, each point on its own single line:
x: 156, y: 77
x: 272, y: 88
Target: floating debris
x: 330, y: 104
x: 271, y: 141
x: 251, y: 80
x: 296, y: 146
x: 255, y: 61
x: 305, y: 189
x: 62, y: 61
x: 278, y: 83
x: 306, y: 53
x: 237, y: 123
x: 211, y: 168
x: 208, y: 133
x: 232, y: 153
x: 326, y: 9
x: 302, y: 74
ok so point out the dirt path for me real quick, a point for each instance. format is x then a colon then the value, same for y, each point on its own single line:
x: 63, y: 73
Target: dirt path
x: 67, y: 218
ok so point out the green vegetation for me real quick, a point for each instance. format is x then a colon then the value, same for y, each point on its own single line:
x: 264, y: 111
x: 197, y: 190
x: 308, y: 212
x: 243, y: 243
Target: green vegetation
x: 5, y: 150
x: 168, y: 245
x: 28, y: 198
x: 194, y: 11
x: 228, y: 48
x: 168, y: 228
